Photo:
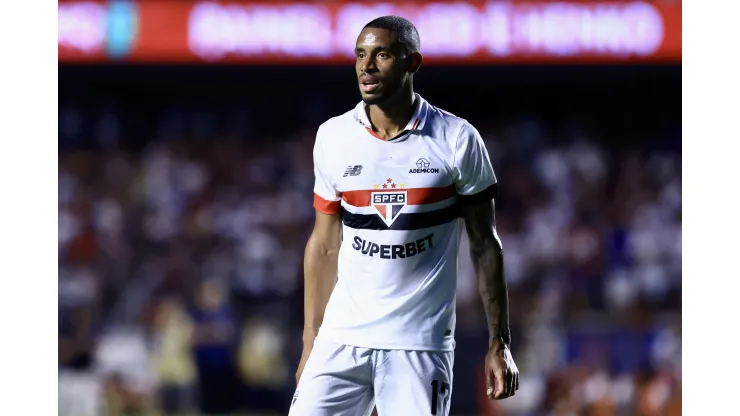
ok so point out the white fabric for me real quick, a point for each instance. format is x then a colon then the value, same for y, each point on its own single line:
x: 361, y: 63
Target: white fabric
x: 396, y: 282
x: 341, y: 380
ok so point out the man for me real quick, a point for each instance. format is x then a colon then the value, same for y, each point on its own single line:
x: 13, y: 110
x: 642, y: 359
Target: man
x: 214, y: 342
x: 394, y: 177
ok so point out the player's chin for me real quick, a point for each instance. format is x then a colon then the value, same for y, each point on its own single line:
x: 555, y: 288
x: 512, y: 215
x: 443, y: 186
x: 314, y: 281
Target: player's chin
x: 372, y: 98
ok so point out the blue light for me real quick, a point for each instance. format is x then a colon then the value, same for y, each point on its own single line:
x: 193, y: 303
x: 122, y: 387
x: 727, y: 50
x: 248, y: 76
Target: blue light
x: 122, y: 28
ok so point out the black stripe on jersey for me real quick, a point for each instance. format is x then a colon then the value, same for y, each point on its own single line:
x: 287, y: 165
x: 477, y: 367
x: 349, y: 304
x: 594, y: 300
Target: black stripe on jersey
x: 412, y: 221
x: 483, y: 196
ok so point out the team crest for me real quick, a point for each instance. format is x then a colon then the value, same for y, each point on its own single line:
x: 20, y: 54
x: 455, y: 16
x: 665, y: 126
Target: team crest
x: 389, y: 203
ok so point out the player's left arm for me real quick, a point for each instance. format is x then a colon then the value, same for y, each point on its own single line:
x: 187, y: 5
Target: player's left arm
x: 487, y: 255
x: 476, y: 186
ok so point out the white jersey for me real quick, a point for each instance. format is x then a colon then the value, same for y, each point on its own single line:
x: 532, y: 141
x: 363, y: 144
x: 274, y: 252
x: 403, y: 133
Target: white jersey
x: 400, y: 207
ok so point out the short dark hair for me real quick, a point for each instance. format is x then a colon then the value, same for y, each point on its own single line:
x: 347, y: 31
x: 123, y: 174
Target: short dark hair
x: 406, y: 32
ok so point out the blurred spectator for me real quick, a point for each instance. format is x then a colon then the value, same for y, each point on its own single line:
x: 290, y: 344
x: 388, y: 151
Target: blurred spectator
x: 121, y: 400
x: 214, y: 348
x: 263, y: 365
x: 175, y: 367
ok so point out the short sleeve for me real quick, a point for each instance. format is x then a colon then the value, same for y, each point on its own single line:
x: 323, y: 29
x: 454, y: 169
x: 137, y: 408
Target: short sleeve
x: 474, y: 178
x: 325, y: 195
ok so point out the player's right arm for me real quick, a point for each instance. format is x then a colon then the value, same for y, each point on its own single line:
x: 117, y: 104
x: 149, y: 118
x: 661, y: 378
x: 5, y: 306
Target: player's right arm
x: 320, y: 268
x: 322, y: 252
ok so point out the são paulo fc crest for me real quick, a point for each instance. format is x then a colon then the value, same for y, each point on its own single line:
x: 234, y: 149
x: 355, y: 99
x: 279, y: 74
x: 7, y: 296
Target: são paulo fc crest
x: 390, y: 202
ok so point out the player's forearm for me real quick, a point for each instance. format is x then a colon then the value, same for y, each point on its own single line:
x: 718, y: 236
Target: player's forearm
x: 488, y: 261
x: 320, y: 267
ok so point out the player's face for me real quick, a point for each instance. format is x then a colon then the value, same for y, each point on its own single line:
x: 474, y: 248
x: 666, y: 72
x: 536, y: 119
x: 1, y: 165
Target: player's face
x: 381, y: 65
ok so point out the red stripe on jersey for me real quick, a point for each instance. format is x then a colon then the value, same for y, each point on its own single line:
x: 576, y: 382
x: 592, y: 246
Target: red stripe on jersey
x: 327, y: 207
x: 416, y: 123
x: 415, y: 196
x: 376, y: 135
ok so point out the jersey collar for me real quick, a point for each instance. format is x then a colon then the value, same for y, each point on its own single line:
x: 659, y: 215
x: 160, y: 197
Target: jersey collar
x: 415, y: 123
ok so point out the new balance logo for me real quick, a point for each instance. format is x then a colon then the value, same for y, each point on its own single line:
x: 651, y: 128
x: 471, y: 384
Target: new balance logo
x: 355, y: 170
x: 422, y: 166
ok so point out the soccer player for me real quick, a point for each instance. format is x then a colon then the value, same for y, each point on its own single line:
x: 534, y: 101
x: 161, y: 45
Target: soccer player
x: 396, y: 179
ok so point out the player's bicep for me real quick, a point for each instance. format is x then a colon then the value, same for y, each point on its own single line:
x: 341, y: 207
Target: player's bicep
x: 480, y: 222
x: 327, y: 230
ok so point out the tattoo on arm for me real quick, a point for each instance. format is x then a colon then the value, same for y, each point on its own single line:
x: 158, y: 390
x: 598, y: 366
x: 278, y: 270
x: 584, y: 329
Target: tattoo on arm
x: 486, y: 253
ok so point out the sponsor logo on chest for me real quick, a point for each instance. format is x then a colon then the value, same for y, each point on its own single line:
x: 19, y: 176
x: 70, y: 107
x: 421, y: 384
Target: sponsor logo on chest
x: 423, y: 166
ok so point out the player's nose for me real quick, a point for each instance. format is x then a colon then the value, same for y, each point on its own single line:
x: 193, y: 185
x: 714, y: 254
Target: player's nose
x: 368, y: 65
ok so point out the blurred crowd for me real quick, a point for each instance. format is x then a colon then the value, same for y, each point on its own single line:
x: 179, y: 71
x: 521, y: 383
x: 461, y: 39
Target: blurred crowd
x: 180, y: 271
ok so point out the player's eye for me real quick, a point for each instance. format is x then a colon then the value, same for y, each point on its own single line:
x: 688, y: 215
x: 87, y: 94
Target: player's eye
x: 360, y: 55
x: 383, y: 55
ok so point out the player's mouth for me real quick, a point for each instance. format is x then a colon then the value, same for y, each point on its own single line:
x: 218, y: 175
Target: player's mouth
x: 369, y: 87
x: 368, y: 83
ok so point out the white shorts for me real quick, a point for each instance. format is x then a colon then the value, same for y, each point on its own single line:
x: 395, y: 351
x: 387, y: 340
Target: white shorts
x: 341, y: 380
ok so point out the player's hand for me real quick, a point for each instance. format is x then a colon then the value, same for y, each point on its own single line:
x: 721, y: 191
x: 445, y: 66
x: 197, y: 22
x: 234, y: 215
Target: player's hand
x: 502, y: 375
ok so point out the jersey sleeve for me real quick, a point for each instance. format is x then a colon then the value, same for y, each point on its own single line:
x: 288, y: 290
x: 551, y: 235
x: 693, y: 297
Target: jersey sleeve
x: 325, y: 194
x: 474, y: 178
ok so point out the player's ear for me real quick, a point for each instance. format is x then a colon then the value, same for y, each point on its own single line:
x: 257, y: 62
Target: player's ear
x: 414, y: 62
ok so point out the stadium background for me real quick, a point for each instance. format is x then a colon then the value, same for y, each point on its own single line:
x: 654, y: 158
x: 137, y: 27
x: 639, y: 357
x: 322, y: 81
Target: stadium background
x: 185, y: 183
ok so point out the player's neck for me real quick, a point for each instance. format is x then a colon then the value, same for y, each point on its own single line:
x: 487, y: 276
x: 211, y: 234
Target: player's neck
x: 391, y: 118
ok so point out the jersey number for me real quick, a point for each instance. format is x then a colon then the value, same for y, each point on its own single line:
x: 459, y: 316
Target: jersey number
x: 440, y: 388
